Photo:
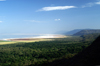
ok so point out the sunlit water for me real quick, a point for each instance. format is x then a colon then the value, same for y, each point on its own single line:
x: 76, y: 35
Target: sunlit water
x: 17, y: 36
x: 3, y: 37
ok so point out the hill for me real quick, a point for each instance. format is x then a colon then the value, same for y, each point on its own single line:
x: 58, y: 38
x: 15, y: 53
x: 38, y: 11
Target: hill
x: 85, y: 32
x: 90, y: 37
x: 88, y: 57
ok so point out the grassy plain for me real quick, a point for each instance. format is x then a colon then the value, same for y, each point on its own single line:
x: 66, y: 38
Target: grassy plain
x: 23, y: 41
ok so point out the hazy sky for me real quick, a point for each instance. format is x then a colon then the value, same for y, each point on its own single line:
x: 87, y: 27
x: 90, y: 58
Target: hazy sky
x: 48, y: 16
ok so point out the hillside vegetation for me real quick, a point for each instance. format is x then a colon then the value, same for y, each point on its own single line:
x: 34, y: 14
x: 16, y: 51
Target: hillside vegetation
x: 88, y: 57
x: 40, y: 53
x: 89, y: 37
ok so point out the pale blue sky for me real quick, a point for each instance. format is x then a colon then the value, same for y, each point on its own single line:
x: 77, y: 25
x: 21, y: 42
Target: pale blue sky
x: 48, y: 16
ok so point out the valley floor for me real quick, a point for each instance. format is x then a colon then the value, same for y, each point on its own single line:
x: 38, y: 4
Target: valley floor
x: 40, y: 51
x: 34, y: 39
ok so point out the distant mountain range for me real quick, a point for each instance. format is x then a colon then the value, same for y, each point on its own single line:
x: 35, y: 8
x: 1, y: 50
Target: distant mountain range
x: 79, y: 32
x: 69, y: 32
x: 72, y: 32
x: 85, y: 32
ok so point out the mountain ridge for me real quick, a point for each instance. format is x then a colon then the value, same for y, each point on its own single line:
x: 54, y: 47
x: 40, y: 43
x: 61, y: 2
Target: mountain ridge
x: 85, y: 32
x: 71, y: 32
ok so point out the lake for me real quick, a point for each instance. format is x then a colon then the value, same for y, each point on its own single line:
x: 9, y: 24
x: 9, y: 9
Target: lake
x: 16, y: 36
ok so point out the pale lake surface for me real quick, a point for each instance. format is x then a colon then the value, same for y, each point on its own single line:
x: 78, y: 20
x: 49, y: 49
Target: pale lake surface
x: 17, y: 36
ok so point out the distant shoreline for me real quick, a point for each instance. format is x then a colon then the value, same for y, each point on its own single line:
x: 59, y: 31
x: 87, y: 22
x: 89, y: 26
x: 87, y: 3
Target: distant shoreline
x: 31, y: 39
x: 36, y: 38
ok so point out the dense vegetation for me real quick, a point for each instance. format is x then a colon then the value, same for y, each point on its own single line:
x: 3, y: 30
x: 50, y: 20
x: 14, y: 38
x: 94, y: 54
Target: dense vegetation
x: 85, y: 32
x: 40, y: 53
x: 90, y: 37
x: 88, y: 57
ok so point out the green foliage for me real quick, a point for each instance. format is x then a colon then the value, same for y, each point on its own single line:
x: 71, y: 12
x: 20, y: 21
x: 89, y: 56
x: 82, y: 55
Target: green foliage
x: 39, y: 53
x: 90, y: 37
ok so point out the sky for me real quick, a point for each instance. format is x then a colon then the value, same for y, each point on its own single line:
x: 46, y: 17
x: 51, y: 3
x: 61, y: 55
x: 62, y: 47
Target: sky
x: 48, y: 16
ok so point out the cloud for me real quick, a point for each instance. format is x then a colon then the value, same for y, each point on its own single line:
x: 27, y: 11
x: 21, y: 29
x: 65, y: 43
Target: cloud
x: 57, y: 19
x: 97, y: 3
x: 2, y: 0
x: 88, y: 5
x: 0, y: 21
x: 56, y: 8
x: 32, y: 21
x: 91, y: 4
